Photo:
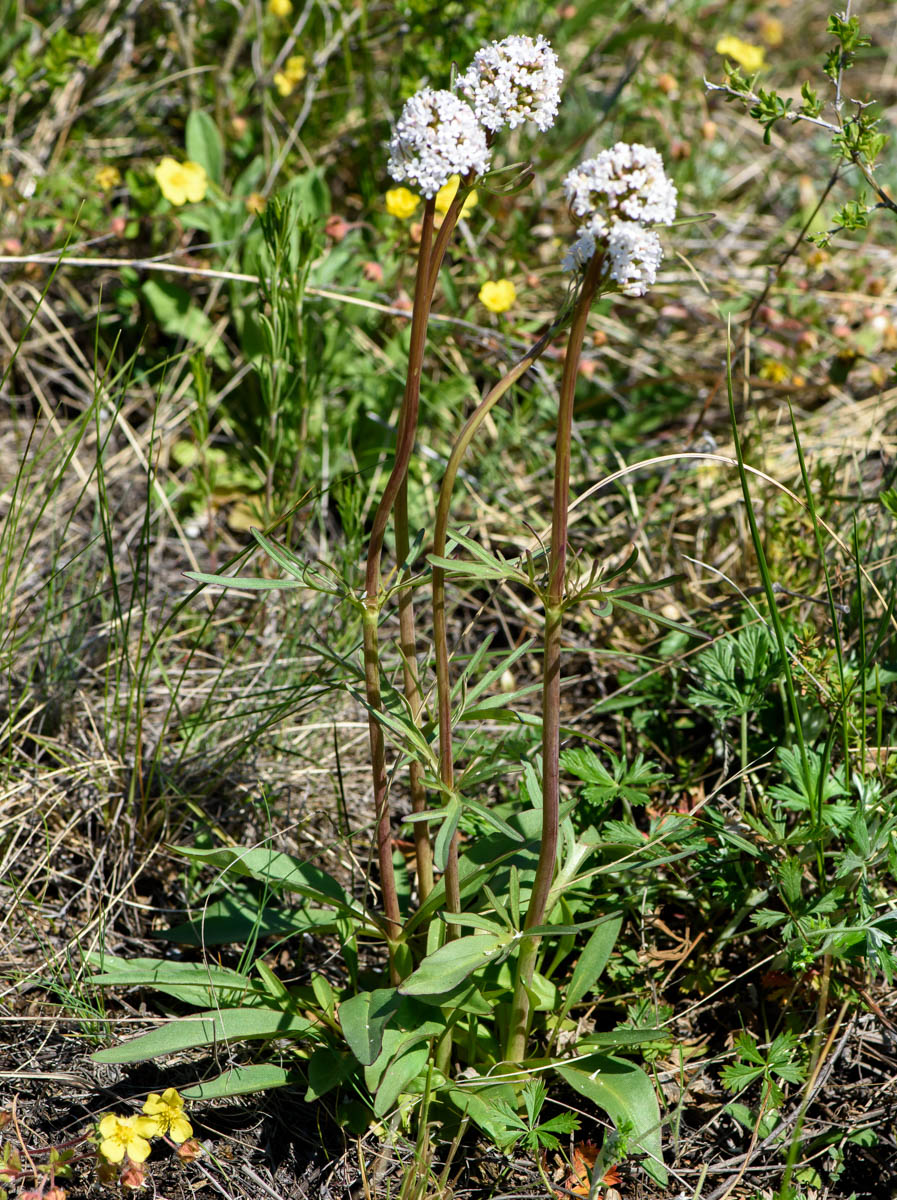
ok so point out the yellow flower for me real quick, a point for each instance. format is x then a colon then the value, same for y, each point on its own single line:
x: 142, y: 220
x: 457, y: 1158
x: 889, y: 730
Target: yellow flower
x: 126, y: 1135
x: 747, y: 56
x: 772, y: 31
x: 280, y: 8
x: 401, y: 203
x: 255, y: 203
x: 295, y: 68
x: 774, y: 371
x: 446, y: 195
x: 181, y: 182
x: 498, y: 295
x: 283, y: 83
x: 107, y: 178
x: 167, y: 1111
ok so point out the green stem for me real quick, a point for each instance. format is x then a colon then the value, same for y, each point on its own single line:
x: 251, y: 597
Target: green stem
x: 440, y: 632
x: 373, y: 600
x: 551, y: 669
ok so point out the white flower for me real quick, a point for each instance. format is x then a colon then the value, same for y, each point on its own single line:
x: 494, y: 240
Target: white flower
x: 436, y: 136
x: 635, y: 255
x: 580, y: 254
x: 624, y: 183
x: 512, y: 81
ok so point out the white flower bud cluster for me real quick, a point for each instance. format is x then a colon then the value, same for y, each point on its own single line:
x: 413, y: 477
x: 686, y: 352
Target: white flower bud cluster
x: 437, y: 136
x: 515, y: 80
x: 635, y: 253
x: 619, y: 193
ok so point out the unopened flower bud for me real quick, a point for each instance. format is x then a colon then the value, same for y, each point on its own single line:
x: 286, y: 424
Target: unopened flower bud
x: 189, y: 1151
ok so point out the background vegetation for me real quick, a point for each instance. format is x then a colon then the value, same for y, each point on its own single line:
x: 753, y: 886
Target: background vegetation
x: 158, y: 399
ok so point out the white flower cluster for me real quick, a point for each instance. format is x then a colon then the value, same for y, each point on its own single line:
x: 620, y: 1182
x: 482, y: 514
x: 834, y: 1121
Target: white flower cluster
x: 626, y: 182
x: 515, y: 80
x: 437, y: 136
x: 619, y: 193
x: 635, y: 253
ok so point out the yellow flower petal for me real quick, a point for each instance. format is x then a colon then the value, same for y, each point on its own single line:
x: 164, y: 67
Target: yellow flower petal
x: 446, y: 195
x: 180, y: 1130
x: 283, y: 83
x: 180, y: 182
x: 747, y: 56
x: 401, y: 203
x: 498, y: 295
x: 294, y: 68
x: 280, y: 8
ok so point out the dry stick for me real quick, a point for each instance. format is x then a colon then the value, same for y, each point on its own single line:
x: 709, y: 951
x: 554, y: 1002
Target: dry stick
x: 551, y: 669
x: 373, y: 600
x: 440, y: 635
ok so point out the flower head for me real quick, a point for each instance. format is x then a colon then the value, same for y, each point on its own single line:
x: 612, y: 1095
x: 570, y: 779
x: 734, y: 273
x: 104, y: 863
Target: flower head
x: 126, y: 1135
x: 401, y: 203
x: 437, y: 136
x: 619, y: 193
x: 446, y: 195
x: 107, y: 178
x: 180, y: 182
x: 280, y: 8
x: 635, y: 255
x: 498, y: 295
x: 747, y: 56
x: 515, y: 80
x: 625, y: 183
x: 167, y: 1111
x: 294, y: 71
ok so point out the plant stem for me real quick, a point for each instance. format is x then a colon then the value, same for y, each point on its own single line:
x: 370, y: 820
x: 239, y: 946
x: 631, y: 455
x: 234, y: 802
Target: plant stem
x: 373, y: 600
x: 551, y: 668
x: 440, y: 634
x: 423, y: 851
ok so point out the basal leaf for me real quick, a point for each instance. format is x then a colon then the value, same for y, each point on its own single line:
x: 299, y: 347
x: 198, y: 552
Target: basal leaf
x: 207, y: 1029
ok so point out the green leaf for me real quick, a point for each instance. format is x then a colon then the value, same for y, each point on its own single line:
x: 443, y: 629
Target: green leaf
x: 363, y: 1019
x: 398, y: 1075
x: 447, y: 831
x: 241, y: 1081
x: 179, y: 317
x: 243, y: 583
x: 592, y: 961
x: 204, y: 146
x: 627, y: 1095
x: 278, y: 870
x: 327, y: 1068
x: 202, y: 984
x: 207, y: 1029
x: 452, y: 963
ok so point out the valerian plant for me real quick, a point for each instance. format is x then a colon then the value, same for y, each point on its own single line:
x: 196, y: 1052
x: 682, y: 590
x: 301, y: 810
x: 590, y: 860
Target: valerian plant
x: 479, y: 973
x: 855, y: 130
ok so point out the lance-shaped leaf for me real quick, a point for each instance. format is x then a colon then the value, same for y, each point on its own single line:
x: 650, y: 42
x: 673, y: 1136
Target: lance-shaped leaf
x: 452, y: 963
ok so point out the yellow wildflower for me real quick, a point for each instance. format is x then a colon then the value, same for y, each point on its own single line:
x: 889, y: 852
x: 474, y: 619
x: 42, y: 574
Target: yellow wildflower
x: 295, y: 68
x: 294, y: 71
x: 498, y: 295
x: 255, y: 203
x: 774, y: 371
x: 747, y: 56
x: 107, y: 178
x: 126, y: 1135
x: 446, y: 195
x: 280, y: 8
x: 401, y: 203
x: 180, y: 182
x: 772, y: 31
x: 167, y: 1111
